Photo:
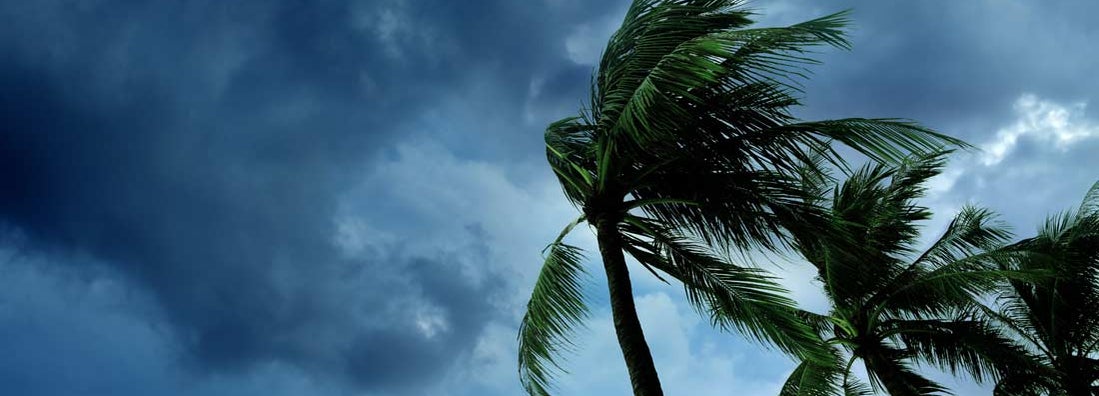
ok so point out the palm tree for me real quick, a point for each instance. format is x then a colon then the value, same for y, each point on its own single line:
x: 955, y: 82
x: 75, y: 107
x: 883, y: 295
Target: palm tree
x: 891, y: 307
x: 688, y: 150
x: 1058, y: 316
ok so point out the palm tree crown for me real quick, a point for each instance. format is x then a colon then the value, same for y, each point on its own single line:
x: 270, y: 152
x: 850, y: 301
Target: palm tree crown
x: 892, y: 305
x: 1058, y: 316
x: 688, y: 148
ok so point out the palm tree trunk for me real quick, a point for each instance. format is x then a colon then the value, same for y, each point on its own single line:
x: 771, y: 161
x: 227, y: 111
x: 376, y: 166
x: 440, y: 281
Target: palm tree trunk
x: 631, y: 339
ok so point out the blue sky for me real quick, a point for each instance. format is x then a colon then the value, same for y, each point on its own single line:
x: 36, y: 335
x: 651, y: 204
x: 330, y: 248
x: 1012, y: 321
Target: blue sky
x: 349, y: 198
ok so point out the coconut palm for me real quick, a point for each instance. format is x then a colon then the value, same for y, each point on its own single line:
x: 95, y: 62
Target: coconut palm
x: 1058, y: 316
x: 893, y: 306
x: 688, y: 150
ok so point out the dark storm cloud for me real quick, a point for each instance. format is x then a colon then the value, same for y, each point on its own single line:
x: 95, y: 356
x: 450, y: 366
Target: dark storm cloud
x: 957, y: 67
x: 199, y: 150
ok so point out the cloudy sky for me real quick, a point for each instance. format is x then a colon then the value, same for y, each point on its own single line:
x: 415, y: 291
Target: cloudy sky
x: 349, y: 197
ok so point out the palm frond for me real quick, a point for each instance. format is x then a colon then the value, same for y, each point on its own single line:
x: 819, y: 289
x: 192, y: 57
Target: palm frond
x: 964, y: 346
x: 886, y: 140
x: 855, y: 387
x: 871, y: 228
x: 888, y: 369
x: 973, y: 231
x: 1090, y: 204
x: 741, y: 208
x: 1026, y: 385
x: 876, y: 204
x: 568, y: 150
x: 555, y: 308
x: 650, y: 34
x: 706, y: 66
x: 964, y: 263
x: 945, y: 289
x: 810, y: 379
x: 747, y: 300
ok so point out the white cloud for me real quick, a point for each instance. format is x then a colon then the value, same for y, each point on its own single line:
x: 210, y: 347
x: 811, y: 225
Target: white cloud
x: 1033, y: 165
x: 1045, y: 121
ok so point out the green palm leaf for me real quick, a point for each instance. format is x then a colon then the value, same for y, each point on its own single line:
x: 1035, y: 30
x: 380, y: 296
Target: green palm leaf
x: 747, y: 300
x: 889, y: 369
x: 809, y: 379
x: 1056, y: 315
x: 555, y: 308
x: 969, y: 346
x: 894, y: 307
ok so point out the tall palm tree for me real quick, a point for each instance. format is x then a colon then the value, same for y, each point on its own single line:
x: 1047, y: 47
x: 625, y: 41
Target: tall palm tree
x: 893, y: 306
x: 1058, y: 316
x: 688, y: 149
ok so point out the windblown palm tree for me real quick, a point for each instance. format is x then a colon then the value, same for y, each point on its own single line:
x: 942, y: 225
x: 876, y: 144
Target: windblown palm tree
x: 1058, y: 317
x: 893, y: 306
x: 688, y: 149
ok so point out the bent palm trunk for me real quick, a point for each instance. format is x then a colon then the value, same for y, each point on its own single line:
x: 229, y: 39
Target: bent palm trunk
x: 631, y: 338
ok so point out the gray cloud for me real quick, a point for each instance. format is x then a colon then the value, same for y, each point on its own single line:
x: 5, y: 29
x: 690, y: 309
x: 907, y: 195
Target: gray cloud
x: 200, y: 151
x: 955, y: 67
x: 1037, y: 164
